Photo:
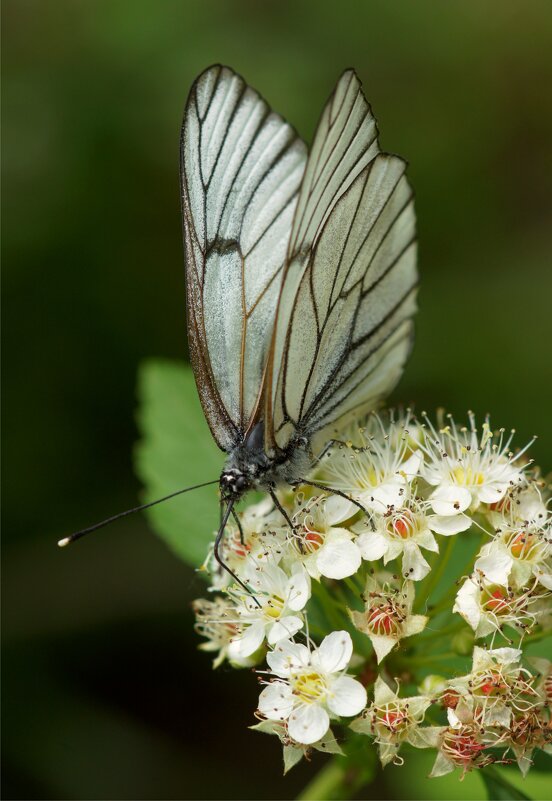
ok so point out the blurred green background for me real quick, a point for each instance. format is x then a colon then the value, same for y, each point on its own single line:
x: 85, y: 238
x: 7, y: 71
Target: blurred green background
x: 105, y: 695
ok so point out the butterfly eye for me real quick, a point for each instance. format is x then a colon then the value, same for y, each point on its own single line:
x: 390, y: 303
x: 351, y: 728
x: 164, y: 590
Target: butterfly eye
x: 240, y: 483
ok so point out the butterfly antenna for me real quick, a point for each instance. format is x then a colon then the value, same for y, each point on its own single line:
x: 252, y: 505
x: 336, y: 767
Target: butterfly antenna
x: 78, y: 534
x: 218, y: 557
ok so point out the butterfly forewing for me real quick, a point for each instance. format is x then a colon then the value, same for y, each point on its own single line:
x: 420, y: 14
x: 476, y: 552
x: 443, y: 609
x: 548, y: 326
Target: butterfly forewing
x: 344, y: 143
x: 344, y: 325
x: 241, y: 168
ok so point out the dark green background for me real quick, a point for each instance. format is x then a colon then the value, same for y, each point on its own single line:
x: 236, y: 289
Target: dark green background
x: 105, y: 695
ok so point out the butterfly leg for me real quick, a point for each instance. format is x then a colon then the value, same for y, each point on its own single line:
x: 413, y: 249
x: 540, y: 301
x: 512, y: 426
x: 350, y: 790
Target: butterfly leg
x: 281, y: 509
x: 336, y: 492
x: 287, y: 518
x: 218, y: 557
x: 239, y: 525
x: 327, y: 447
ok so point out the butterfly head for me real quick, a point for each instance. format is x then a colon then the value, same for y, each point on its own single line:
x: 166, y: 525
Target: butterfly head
x: 233, y: 484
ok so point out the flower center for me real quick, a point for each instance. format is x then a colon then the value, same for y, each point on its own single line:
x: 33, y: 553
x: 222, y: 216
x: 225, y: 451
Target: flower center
x: 497, y: 601
x: 461, y: 747
x: 383, y: 620
x: 490, y: 685
x: 450, y: 699
x: 525, y: 545
x: 313, y: 538
x: 273, y: 607
x: 309, y: 687
x: 467, y: 477
x: 238, y: 548
x: 369, y: 477
x: 392, y: 717
x: 402, y: 526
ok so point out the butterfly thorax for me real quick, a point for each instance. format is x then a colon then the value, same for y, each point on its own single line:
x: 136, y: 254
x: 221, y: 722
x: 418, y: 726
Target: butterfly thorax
x: 248, y: 466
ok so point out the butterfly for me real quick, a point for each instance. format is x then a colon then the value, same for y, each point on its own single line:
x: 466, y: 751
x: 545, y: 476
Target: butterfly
x: 301, y: 279
x: 300, y: 272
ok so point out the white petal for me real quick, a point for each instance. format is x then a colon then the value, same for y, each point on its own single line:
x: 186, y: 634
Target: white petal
x: 339, y: 509
x: 347, y: 696
x: 284, y: 628
x: 394, y: 549
x: 298, y: 590
x: 543, y: 577
x: 467, y: 603
x: 414, y: 566
x: 276, y: 701
x: 449, y: 499
x: 411, y: 467
x: 338, y: 558
x: 308, y: 723
x: 447, y: 526
x: 393, y: 493
x: 287, y: 657
x: 496, y: 566
x: 335, y: 652
x: 425, y: 539
x: 492, y: 493
x: 453, y: 719
x: 372, y: 545
x: 248, y: 642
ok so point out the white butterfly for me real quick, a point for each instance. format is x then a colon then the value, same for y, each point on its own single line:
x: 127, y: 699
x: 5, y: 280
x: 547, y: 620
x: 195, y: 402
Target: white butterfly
x: 301, y: 278
x: 301, y: 273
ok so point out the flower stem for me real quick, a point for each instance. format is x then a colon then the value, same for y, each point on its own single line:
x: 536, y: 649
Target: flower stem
x: 337, y: 781
x: 428, y: 659
x: 439, y: 633
x: 435, y: 575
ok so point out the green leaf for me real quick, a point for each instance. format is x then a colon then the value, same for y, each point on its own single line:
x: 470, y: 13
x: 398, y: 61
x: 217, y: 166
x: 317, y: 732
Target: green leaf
x: 500, y: 789
x: 177, y: 450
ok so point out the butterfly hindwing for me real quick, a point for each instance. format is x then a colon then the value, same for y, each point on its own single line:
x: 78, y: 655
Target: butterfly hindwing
x: 241, y: 168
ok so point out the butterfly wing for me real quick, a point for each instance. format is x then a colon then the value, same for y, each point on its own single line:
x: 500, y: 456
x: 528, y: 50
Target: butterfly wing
x: 344, y: 327
x: 241, y: 169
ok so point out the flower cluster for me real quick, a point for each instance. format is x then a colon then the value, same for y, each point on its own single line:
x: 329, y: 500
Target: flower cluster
x: 409, y: 546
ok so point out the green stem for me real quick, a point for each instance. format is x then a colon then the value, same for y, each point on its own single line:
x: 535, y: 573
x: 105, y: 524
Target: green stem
x: 435, y: 575
x: 353, y: 587
x: 334, y: 611
x: 433, y: 635
x: 337, y: 781
x: 429, y: 659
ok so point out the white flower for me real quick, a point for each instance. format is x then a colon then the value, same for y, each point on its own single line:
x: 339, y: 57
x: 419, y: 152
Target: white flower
x: 516, y: 554
x: 392, y: 720
x: 400, y: 532
x: 467, y: 470
x: 260, y: 540
x: 293, y: 751
x: 271, y: 611
x: 216, y: 621
x: 496, y: 685
x: 387, y: 617
x: 311, y: 686
x: 377, y: 475
x: 325, y: 547
x: 488, y: 607
x: 521, y: 506
x: 460, y: 746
